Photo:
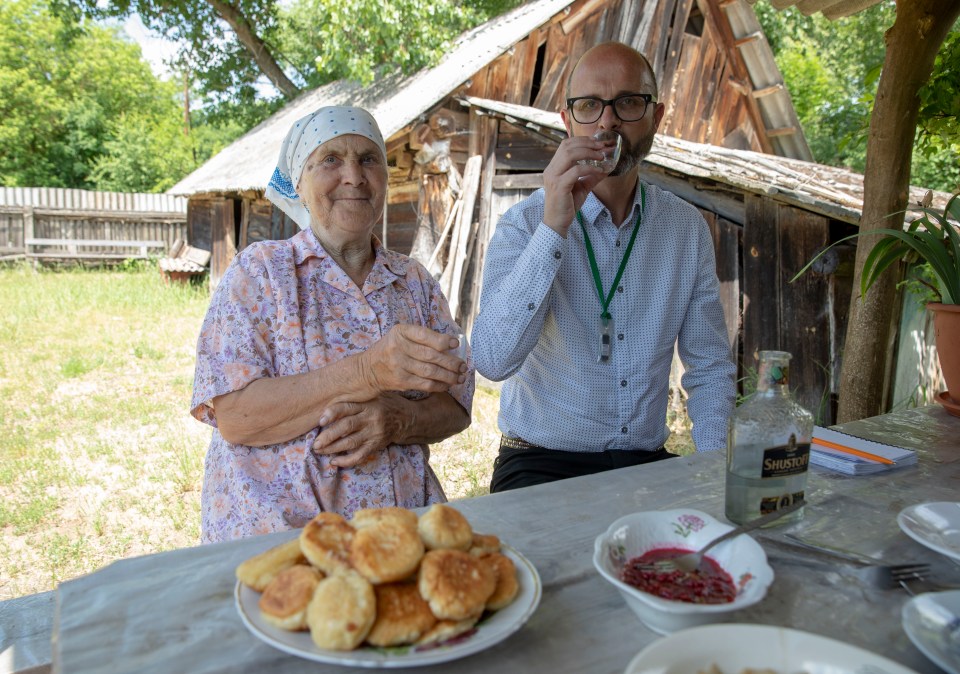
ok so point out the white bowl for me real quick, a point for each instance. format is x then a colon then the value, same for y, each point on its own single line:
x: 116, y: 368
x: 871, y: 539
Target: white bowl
x: 685, y: 529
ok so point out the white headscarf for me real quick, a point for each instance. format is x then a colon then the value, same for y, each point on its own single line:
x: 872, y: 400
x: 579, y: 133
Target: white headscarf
x: 306, y: 135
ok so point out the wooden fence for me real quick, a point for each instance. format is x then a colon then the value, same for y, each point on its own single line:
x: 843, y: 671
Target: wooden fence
x: 119, y: 223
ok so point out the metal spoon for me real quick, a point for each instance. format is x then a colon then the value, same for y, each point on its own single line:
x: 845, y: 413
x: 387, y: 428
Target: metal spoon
x: 692, y: 560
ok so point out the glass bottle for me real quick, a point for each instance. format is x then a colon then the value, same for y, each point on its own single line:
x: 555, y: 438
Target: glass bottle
x: 768, y: 446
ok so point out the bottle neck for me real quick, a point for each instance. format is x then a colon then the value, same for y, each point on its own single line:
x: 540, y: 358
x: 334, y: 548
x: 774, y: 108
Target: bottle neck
x: 773, y: 378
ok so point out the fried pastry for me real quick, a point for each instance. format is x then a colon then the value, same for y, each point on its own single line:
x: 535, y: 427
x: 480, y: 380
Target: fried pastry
x: 325, y: 542
x: 386, y: 552
x: 393, y: 514
x: 342, y: 611
x: 444, y: 630
x: 284, y: 601
x: 443, y: 527
x: 258, y: 571
x: 402, y: 615
x: 456, y: 584
x: 506, y: 575
x: 484, y: 544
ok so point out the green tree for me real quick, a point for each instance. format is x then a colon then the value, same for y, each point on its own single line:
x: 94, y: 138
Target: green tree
x: 80, y: 108
x: 227, y: 44
x: 229, y: 47
x: 360, y: 39
x: 831, y: 69
x: 61, y: 84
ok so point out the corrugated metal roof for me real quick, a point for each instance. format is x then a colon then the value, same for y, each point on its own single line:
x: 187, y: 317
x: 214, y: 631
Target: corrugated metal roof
x: 831, y: 9
x: 772, y: 96
x: 395, y: 101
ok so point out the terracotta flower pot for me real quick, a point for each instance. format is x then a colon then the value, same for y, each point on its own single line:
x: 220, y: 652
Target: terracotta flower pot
x: 946, y: 326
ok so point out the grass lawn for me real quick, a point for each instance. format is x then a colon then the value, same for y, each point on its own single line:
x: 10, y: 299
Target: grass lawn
x: 99, y: 457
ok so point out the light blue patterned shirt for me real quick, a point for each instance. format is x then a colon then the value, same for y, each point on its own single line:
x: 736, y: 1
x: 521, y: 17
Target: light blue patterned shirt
x: 539, y: 324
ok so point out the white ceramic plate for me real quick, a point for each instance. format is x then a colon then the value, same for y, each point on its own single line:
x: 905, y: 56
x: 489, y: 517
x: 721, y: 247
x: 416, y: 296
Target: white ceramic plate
x: 489, y: 631
x: 734, y: 648
x: 932, y: 621
x: 935, y: 525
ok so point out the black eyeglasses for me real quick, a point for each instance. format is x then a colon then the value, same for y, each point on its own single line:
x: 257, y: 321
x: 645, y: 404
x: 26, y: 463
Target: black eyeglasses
x: 628, y: 107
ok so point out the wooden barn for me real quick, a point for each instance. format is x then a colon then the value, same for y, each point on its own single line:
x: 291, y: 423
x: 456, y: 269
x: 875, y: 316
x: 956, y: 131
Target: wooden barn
x: 716, y: 73
x: 468, y: 138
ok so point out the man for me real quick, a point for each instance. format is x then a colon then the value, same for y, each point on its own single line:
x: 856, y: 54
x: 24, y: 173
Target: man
x: 588, y: 285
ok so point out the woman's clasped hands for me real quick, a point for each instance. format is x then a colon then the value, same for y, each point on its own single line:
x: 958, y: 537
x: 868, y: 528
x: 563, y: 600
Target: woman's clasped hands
x: 408, y: 357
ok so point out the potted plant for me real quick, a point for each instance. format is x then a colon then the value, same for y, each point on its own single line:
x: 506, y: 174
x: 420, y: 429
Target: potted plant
x: 934, y: 240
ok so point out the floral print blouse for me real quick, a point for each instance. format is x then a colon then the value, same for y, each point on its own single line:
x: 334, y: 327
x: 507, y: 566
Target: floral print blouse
x: 283, y: 308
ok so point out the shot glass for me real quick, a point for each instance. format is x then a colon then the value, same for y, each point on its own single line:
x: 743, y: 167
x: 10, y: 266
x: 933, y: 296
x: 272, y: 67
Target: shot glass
x: 611, y: 155
x: 461, y: 349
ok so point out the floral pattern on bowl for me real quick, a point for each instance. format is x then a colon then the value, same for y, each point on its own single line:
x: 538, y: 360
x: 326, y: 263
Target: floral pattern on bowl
x: 684, y: 529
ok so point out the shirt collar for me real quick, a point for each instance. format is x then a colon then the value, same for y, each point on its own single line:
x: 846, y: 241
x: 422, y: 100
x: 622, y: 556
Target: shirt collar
x: 593, y: 208
x: 387, y: 266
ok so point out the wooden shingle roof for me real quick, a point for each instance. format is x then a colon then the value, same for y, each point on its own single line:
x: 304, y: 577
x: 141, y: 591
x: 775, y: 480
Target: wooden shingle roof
x: 395, y: 101
x: 827, y: 190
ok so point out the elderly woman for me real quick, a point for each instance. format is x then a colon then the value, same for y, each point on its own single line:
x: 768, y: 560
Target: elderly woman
x: 323, y: 362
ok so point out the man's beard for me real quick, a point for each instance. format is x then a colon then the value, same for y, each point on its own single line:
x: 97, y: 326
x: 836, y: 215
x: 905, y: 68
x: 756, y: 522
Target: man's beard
x: 631, y: 155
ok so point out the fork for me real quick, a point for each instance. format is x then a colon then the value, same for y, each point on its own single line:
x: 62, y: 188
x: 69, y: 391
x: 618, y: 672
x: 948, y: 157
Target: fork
x: 892, y: 576
x: 915, y: 586
x: 871, y: 570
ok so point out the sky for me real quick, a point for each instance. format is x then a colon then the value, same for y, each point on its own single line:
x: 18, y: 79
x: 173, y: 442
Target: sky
x: 155, y: 47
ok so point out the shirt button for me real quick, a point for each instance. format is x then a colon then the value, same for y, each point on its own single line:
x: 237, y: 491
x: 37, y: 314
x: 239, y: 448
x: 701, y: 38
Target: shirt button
x: 623, y: 382
x: 620, y: 336
x: 623, y: 429
x: 556, y: 255
x: 618, y: 243
x: 530, y: 306
x: 619, y: 289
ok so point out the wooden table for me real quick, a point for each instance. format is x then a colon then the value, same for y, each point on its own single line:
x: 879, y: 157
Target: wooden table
x: 174, y: 611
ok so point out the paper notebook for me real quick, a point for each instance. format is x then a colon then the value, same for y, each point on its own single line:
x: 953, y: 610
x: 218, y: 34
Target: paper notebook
x: 849, y: 454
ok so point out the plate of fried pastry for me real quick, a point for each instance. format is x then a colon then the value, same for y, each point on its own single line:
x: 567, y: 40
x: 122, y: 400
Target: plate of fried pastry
x: 387, y: 588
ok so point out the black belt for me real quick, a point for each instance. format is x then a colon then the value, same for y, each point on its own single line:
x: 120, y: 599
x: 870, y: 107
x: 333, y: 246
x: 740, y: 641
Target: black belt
x: 517, y: 443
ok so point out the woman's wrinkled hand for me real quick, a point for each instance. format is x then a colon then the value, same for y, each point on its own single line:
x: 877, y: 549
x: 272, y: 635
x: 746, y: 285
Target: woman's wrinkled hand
x: 353, y: 431
x: 412, y: 357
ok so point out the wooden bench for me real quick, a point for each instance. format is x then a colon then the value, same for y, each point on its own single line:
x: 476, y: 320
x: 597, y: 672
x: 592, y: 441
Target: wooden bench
x: 69, y: 249
x: 183, y: 263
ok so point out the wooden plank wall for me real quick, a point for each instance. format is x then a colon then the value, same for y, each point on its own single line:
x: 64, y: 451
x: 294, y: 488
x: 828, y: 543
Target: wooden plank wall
x: 702, y: 78
x: 24, y: 221
x: 73, y: 199
x: 779, y: 315
x: 726, y: 246
x: 212, y: 224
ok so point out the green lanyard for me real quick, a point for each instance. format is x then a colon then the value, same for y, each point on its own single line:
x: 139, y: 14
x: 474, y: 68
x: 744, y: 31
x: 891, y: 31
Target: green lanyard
x: 605, y: 303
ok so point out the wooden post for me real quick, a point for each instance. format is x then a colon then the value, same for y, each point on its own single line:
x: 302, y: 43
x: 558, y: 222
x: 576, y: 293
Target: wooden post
x: 27, y: 222
x: 451, y: 217
x: 458, y: 244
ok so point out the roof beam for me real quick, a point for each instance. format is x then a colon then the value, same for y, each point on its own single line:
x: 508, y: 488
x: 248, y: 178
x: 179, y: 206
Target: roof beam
x: 782, y: 131
x: 767, y: 91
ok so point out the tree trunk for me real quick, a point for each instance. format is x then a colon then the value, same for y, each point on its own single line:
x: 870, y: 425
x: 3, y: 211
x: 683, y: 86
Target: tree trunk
x: 911, y: 47
x: 257, y: 48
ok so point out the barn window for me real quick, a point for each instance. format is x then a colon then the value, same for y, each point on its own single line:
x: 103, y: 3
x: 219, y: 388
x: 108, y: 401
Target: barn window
x: 695, y: 22
x: 537, y: 73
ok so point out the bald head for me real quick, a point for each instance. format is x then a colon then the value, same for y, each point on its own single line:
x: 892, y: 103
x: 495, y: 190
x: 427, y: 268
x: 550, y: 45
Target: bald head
x: 611, y: 59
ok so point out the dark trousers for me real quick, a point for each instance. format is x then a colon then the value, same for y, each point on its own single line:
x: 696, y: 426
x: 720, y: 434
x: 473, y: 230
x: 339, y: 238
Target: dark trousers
x: 525, y: 466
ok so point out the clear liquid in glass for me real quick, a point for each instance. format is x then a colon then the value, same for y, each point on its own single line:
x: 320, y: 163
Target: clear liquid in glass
x: 611, y: 154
